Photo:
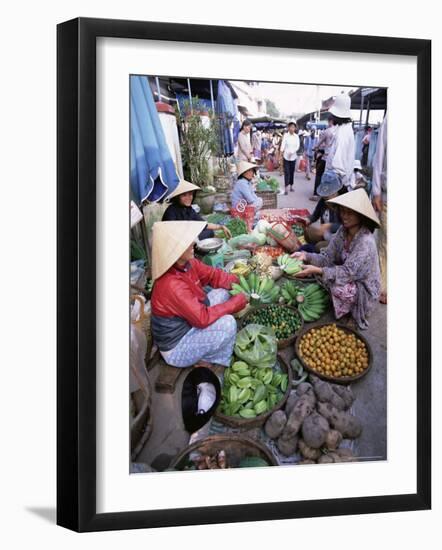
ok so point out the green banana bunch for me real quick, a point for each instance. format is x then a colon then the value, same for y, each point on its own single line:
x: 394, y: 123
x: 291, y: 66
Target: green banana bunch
x: 292, y: 292
x: 289, y: 265
x: 261, y: 290
x: 314, y: 302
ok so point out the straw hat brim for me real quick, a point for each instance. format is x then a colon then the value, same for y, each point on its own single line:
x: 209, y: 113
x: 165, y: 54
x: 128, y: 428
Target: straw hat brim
x: 359, y: 202
x: 243, y: 166
x: 170, y: 240
x: 183, y: 187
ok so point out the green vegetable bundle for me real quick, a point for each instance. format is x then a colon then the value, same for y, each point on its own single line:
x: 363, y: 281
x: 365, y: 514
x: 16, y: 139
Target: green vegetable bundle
x: 218, y: 217
x: 263, y: 186
x: 260, y: 291
x: 256, y: 345
x: 284, y: 321
x: 251, y: 391
x: 237, y: 226
x: 289, y: 265
x: 273, y: 183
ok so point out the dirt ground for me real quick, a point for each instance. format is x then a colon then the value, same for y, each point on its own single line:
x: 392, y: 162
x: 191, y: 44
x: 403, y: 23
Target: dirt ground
x: 169, y: 437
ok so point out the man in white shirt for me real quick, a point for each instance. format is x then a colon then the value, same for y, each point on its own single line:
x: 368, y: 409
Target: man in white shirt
x: 289, y: 146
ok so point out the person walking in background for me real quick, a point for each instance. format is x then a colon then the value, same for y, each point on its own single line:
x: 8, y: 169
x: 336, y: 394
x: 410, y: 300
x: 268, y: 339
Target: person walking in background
x: 379, y: 192
x: 289, y: 147
x: 309, y: 144
x: 366, y: 145
x: 300, y: 151
x: 257, y: 144
x: 245, y: 149
x: 322, y: 150
x: 341, y: 156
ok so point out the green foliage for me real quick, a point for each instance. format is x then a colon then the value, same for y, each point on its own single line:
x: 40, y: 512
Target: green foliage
x: 199, y: 142
x: 271, y: 108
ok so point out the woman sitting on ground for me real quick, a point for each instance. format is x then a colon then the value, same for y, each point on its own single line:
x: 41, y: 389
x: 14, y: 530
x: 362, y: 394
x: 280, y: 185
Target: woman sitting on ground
x: 190, y: 326
x: 349, y: 266
x: 330, y: 221
x: 181, y: 209
x: 243, y: 189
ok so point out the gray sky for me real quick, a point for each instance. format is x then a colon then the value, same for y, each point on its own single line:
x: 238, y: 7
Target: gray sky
x: 298, y: 98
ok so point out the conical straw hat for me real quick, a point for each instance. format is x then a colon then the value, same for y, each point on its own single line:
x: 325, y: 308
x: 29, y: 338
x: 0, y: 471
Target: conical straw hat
x: 183, y: 187
x: 359, y: 202
x: 170, y: 240
x: 243, y: 166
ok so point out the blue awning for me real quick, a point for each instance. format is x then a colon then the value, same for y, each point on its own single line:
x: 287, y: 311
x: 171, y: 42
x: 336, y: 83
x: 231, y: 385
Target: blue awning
x: 152, y: 170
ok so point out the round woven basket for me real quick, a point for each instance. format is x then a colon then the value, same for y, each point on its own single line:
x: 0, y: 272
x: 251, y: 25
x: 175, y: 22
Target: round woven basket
x: 342, y: 379
x: 235, y: 446
x: 281, y: 343
x: 258, y: 421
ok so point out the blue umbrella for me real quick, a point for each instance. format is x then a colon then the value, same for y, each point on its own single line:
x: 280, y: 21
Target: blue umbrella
x: 152, y: 170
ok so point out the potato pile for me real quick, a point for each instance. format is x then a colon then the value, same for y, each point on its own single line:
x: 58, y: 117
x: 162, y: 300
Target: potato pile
x: 333, y: 352
x: 315, y: 421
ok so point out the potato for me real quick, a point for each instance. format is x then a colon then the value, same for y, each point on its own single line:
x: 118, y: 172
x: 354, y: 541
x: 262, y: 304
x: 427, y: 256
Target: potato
x: 302, y: 408
x: 287, y: 446
x: 349, y: 426
x: 333, y: 440
x: 324, y: 393
x: 306, y: 461
x: 275, y: 424
x: 346, y: 455
x: 325, y: 459
x: 334, y: 457
x: 345, y: 393
x: 308, y: 452
x: 314, y: 430
x: 303, y: 388
x: 290, y: 403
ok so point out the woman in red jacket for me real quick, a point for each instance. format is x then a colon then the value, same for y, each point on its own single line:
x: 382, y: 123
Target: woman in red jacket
x: 188, y: 324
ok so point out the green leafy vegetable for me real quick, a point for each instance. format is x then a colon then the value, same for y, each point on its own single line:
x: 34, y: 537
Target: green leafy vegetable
x: 256, y: 345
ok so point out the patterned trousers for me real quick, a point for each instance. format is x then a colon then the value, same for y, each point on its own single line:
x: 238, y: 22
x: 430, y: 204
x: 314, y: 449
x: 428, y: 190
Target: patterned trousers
x: 213, y: 344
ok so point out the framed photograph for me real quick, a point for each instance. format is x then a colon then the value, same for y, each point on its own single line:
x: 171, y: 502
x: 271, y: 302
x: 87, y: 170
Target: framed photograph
x: 233, y: 344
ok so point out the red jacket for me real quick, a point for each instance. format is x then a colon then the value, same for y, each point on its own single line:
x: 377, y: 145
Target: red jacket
x: 179, y: 293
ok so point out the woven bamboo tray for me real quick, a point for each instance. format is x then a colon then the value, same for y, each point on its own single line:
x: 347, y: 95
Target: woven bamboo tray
x: 342, y: 379
x: 258, y: 421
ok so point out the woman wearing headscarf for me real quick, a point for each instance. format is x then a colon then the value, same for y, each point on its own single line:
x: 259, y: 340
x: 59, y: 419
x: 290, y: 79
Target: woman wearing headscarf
x: 189, y: 325
x: 349, y: 266
x: 245, y: 149
x: 243, y: 190
x: 181, y: 209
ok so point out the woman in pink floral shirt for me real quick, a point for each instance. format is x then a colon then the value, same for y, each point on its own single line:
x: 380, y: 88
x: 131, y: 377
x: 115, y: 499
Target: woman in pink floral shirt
x: 349, y: 265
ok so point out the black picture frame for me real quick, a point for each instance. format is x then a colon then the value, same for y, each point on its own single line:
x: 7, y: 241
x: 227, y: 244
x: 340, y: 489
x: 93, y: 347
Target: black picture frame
x: 76, y: 292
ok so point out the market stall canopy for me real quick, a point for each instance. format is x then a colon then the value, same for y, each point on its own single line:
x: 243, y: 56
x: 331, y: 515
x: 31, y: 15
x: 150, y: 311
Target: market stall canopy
x: 152, y: 170
x: 266, y: 121
x: 374, y: 98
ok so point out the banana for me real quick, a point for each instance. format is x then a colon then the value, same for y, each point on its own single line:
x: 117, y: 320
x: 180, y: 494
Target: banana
x: 244, y: 284
x: 270, y: 283
x: 236, y: 289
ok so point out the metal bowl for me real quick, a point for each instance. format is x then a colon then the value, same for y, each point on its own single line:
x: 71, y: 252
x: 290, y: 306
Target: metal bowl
x: 210, y: 245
